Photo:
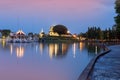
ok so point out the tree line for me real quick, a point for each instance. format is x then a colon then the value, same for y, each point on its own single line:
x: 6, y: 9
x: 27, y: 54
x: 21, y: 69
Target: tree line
x: 117, y: 18
x: 94, y: 33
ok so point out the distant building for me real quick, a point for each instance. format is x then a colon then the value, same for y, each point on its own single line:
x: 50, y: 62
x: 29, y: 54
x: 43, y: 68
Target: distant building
x: 20, y: 34
x: 41, y: 34
x: 52, y: 33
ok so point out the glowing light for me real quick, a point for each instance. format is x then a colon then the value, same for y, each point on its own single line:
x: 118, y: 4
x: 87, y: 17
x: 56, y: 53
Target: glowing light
x: 41, y: 48
x: 96, y: 49
x: 3, y: 43
x: 36, y: 48
x: 20, y: 52
x: 81, y: 46
x: 64, y: 48
x: 68, y: 32
x: 51, y: 50
x: 56, y: 49
x: 42, y: 30
x: 11, y: 49
x: 74, y: 50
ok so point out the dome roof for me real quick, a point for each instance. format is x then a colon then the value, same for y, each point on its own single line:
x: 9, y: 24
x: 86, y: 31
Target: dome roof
x: 60, y: 29
x: 20, y: 32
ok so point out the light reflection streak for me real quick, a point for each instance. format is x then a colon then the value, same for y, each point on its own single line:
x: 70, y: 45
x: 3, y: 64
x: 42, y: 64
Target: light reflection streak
x: 36, y: 48
x: 74, y: 50
x: 64, y: 48
x: 11, y: 49
x: 56, y: 49
x: 51, y: 50
x: 3, y: 43
x: 96, y: 50
x: 20, y: 52
x: 41, y: 48
x: 81, y: 46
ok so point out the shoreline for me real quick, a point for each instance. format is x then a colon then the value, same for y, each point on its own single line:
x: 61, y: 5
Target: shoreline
x: 87, y: 71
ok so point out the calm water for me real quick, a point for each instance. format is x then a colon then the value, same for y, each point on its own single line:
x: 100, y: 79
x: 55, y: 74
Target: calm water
x: 48, y: 61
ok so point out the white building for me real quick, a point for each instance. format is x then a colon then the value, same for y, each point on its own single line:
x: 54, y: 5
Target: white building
x: 52, y: 33
x: 41, y: 34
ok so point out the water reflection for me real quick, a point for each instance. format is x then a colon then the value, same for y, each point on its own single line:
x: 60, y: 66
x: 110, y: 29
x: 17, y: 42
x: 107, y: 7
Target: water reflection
x: 3, y: 42
x: 57, y: 49
x: 34, y: 59
x: 11, y: 49
x: 74, y: 50
x: 94, y: 48
x: 41, y: 48
x: 81, y: 46
x: 54, y: 49
x: 20, y: 51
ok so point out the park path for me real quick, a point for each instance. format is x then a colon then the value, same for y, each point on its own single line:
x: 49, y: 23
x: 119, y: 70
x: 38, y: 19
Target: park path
x: 107, y: 67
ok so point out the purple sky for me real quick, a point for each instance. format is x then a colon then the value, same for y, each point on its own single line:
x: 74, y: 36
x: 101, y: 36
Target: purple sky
x: 77, y: 15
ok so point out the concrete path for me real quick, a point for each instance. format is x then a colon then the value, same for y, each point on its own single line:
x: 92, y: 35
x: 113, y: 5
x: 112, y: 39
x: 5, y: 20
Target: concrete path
x: 108, y: 66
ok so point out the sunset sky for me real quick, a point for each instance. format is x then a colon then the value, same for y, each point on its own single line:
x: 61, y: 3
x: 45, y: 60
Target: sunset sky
x: 77, y: 15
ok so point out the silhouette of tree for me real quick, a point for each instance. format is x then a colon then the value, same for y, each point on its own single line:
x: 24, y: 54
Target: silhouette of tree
x: 6, y: 32
x: 117, y: 18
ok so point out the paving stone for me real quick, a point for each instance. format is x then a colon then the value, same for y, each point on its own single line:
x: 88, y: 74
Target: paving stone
x: 108, y: 66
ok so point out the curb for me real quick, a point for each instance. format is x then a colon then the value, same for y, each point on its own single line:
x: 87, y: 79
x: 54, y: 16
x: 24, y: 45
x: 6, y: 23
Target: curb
x: 87, y: 71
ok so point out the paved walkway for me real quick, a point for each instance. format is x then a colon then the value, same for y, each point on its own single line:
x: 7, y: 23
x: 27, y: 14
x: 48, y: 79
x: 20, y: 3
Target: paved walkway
x: 108, y: 66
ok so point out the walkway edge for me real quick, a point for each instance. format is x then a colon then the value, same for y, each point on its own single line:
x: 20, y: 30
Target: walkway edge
x: 86, y: 73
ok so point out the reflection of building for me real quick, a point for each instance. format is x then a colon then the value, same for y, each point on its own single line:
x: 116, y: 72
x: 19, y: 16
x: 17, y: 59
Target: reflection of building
x: 41, y: 47
x: 81, y: 46
x: 20, y: 52
x: 11, y: 49
x: 74, y: 50
x: 57, y: 49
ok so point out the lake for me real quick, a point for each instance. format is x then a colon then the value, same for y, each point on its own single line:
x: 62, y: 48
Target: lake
x: 44, y: 61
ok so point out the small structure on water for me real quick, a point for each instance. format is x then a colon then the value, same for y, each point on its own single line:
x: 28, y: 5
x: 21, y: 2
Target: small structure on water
x: 17, y: 37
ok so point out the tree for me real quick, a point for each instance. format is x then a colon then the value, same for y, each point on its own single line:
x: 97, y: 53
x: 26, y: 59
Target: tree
x: 6, y: 32
x: 30, y: 34
x: 117, y: 18
x: 60, y: 29
x: 94, y: 33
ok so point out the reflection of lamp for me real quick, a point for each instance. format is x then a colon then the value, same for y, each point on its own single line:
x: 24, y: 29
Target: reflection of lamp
x: 11, y: 49
x: 64, y: 48
x: 56, y: 49
x: 74, y: 50
x: 3, y: 43
x: 41, y: 48
x: 96, y: 49
x: 20, y: 52
x: 81, y: 46
x: 51, y: 50
x: 36, y: 48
